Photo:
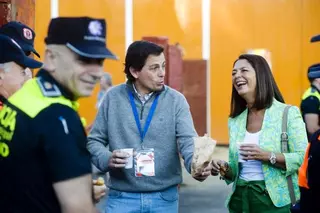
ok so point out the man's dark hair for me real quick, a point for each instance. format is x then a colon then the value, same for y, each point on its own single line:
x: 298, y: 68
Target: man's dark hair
x: 266, y: 89
x: 137, y: 54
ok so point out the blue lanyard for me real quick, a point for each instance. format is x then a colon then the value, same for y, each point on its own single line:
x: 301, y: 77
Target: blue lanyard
x: 136, y: 115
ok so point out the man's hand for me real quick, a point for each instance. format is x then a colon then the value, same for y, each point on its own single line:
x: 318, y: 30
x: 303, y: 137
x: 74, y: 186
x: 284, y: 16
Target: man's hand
x: 98, y: 190
x: 204, y: 174
x: 118, y: 159
x: 219, y: 166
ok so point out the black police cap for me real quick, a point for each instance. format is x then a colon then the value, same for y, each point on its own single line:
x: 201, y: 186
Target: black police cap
x: 83, y: 35
x: 315, y: 38
x: 314, y: 71
x: 10, y: 51
x: 22, y: 34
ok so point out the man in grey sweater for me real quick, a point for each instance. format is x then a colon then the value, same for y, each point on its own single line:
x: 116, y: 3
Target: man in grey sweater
x: 140, y: 129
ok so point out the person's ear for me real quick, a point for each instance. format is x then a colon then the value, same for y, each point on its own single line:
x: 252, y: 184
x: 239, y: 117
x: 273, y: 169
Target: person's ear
x: 1, y: 77
x: 3, y: 91
x: 49, y: 61
x: 134, y: 72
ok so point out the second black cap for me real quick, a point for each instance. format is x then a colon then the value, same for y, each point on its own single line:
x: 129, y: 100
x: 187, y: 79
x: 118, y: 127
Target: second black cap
x: 22, y: 34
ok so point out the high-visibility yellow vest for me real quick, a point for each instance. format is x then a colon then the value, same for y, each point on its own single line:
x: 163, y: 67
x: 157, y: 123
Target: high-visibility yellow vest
x: 33, y: 98
x: 311, y: 92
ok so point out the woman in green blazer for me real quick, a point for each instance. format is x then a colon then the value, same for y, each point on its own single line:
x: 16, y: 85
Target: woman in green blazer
x: 256, y: 165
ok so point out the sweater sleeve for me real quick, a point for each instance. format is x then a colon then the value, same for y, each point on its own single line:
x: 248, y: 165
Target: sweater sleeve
x: 185, y: 132
x: 98, y: 138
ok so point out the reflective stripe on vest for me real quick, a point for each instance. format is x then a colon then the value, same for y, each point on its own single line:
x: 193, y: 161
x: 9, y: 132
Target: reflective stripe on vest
x: 311, y: 92
x: 303, y: 177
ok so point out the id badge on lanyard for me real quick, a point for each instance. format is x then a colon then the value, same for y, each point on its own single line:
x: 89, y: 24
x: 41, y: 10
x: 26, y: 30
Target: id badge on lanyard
x: 144, y: 162
x: 144, y: 158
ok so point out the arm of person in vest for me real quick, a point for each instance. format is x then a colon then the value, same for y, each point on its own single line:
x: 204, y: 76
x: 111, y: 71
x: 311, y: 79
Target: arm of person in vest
x: 310, y: 107
x: 64, y: 146
x: 297, y: 143
x: 99, y: 187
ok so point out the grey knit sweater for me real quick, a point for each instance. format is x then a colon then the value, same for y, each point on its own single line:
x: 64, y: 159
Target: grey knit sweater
x: 171, y: 132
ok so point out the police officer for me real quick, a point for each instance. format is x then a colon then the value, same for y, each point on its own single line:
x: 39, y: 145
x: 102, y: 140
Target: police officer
x: 45, y: 166
x: 24, y: 37
x: 310, y: 104
x: 13, y: 65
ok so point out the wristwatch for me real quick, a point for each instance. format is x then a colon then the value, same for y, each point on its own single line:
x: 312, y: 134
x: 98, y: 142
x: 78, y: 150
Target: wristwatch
x: 273, y: 158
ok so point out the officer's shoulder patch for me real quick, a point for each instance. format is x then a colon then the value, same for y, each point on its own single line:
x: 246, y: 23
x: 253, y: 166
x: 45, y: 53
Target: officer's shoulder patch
x: 47, y: 88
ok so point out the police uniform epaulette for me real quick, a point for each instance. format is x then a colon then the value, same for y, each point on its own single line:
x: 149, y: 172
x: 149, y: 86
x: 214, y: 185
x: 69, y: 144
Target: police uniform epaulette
x: 48, y: 89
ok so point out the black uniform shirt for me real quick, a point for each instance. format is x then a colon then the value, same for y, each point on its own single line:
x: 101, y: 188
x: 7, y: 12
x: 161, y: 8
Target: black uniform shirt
x: 310, y: 105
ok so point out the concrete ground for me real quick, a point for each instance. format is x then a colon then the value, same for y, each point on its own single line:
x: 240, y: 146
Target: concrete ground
x: 204, y: 197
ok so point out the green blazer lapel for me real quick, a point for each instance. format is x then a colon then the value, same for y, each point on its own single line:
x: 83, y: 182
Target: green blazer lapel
x: 270, y: 127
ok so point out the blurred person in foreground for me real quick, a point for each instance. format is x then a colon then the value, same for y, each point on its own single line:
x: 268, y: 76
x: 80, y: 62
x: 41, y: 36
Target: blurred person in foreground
x: 256, y: 167
x: 42, y: 135
x: 140, y: 129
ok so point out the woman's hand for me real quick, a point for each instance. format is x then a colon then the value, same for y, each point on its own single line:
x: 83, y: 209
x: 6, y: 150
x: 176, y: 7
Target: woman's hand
x: 253, y: 152
x: 219, y: 166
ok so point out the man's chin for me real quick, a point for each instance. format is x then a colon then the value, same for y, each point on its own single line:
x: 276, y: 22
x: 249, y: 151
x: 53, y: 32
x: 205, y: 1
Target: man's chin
x: 85, y: 93
x: 159, y: 88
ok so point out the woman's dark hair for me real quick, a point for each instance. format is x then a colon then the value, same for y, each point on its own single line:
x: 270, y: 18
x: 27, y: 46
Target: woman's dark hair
x: 137, y: 54
x: 266, y: 89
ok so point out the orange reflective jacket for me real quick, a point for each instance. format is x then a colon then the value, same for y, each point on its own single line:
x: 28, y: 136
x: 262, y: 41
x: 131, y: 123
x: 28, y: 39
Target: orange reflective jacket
x: 303, y: 170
